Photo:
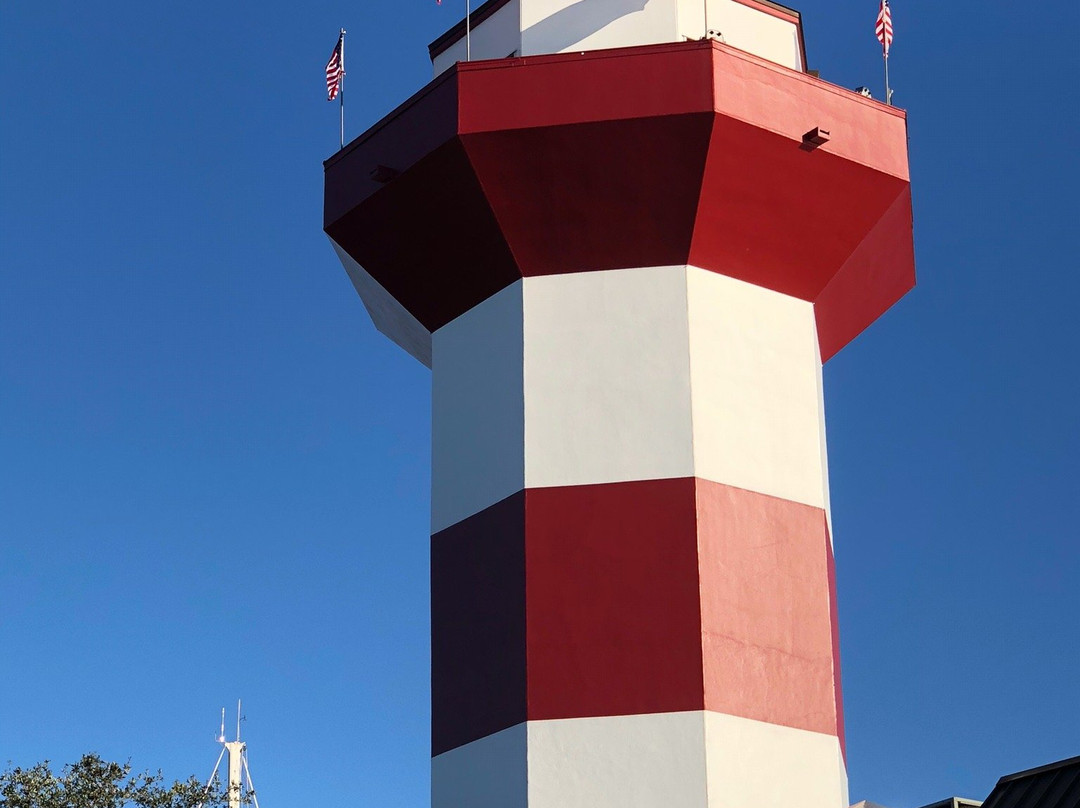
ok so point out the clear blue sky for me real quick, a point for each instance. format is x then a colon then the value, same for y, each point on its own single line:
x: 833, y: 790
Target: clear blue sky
x: 214, y: 473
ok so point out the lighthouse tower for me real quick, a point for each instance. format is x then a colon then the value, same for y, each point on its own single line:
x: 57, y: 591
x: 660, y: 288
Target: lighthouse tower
x: 625, y: 237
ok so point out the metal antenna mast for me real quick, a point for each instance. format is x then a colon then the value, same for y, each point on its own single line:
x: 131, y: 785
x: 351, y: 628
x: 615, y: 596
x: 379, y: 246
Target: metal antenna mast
x: 239, y: 771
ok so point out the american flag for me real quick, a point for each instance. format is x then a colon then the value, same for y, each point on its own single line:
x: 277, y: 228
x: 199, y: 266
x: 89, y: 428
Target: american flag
x: 884, y: 26
x: 335, y: 69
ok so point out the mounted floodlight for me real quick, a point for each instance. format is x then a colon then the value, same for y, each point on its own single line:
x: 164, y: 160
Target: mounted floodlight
x: 816, y: 136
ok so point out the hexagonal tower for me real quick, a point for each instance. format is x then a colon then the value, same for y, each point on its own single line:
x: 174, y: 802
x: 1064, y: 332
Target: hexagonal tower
x: 625, y: 249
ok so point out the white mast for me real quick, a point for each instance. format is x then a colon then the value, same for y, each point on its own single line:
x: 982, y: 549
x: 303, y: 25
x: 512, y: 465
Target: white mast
x: 238, y: 766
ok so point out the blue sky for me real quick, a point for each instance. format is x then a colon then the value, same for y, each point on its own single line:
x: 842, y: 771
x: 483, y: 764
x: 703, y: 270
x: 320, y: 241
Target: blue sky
x: 214, y: 473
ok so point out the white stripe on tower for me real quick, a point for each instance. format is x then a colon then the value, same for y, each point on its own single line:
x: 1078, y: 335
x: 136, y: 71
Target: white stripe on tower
x: 650, y: 760
x: 595, y: 368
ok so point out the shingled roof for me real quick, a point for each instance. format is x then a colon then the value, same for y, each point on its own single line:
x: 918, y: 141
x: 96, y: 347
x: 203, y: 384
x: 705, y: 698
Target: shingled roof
x: 1053, y: 786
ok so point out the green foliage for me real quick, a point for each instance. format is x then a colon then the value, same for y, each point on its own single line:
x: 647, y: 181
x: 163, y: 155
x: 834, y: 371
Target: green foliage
x: 95, y: 783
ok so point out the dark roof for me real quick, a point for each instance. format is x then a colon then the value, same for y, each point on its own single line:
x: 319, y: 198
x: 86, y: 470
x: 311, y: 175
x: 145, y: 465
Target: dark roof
x: 1053, y: 786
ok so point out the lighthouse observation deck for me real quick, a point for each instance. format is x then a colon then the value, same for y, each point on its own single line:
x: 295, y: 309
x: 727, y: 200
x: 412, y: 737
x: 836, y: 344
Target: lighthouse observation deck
x: 502, y: 28
x: 683, y: 153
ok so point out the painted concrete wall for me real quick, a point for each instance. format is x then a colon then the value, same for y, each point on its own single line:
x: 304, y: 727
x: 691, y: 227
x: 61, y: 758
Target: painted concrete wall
x: 477, y: 416
x: 823, y: 437
x: 633, y: 374
x: 607, y: 377
x: 757, y: 32
x: 757, y: 412
x: 667, y: 760
x: 753, y: 764
x: 744, y: 27
x: 638, y: 761
x: 530, y: 27
x: 496, y: 37
x: 388, y: 316
x: 489, y: 773
x: 557, y: 26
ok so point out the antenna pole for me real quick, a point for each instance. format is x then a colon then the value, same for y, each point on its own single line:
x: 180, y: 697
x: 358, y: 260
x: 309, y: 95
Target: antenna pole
x: 468, y: 31
x: 238, y: 765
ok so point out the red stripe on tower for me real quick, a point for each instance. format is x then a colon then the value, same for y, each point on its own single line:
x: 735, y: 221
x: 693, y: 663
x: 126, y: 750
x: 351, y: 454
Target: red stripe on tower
x: 528, y: 596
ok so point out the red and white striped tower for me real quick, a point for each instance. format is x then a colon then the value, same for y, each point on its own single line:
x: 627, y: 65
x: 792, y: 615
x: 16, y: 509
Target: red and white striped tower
x: 625, y: 252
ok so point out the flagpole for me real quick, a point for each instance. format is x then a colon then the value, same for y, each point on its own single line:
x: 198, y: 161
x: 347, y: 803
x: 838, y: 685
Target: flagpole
x: 888, y: 92
x: 342, y: 88
x: 468, y: 31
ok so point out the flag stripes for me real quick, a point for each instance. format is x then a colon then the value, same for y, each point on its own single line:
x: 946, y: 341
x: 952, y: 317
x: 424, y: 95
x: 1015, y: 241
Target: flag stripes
x: 335, y: 70
x: 884, y: 29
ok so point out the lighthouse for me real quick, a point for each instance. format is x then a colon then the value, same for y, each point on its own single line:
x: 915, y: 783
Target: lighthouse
x: 625, y: 237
